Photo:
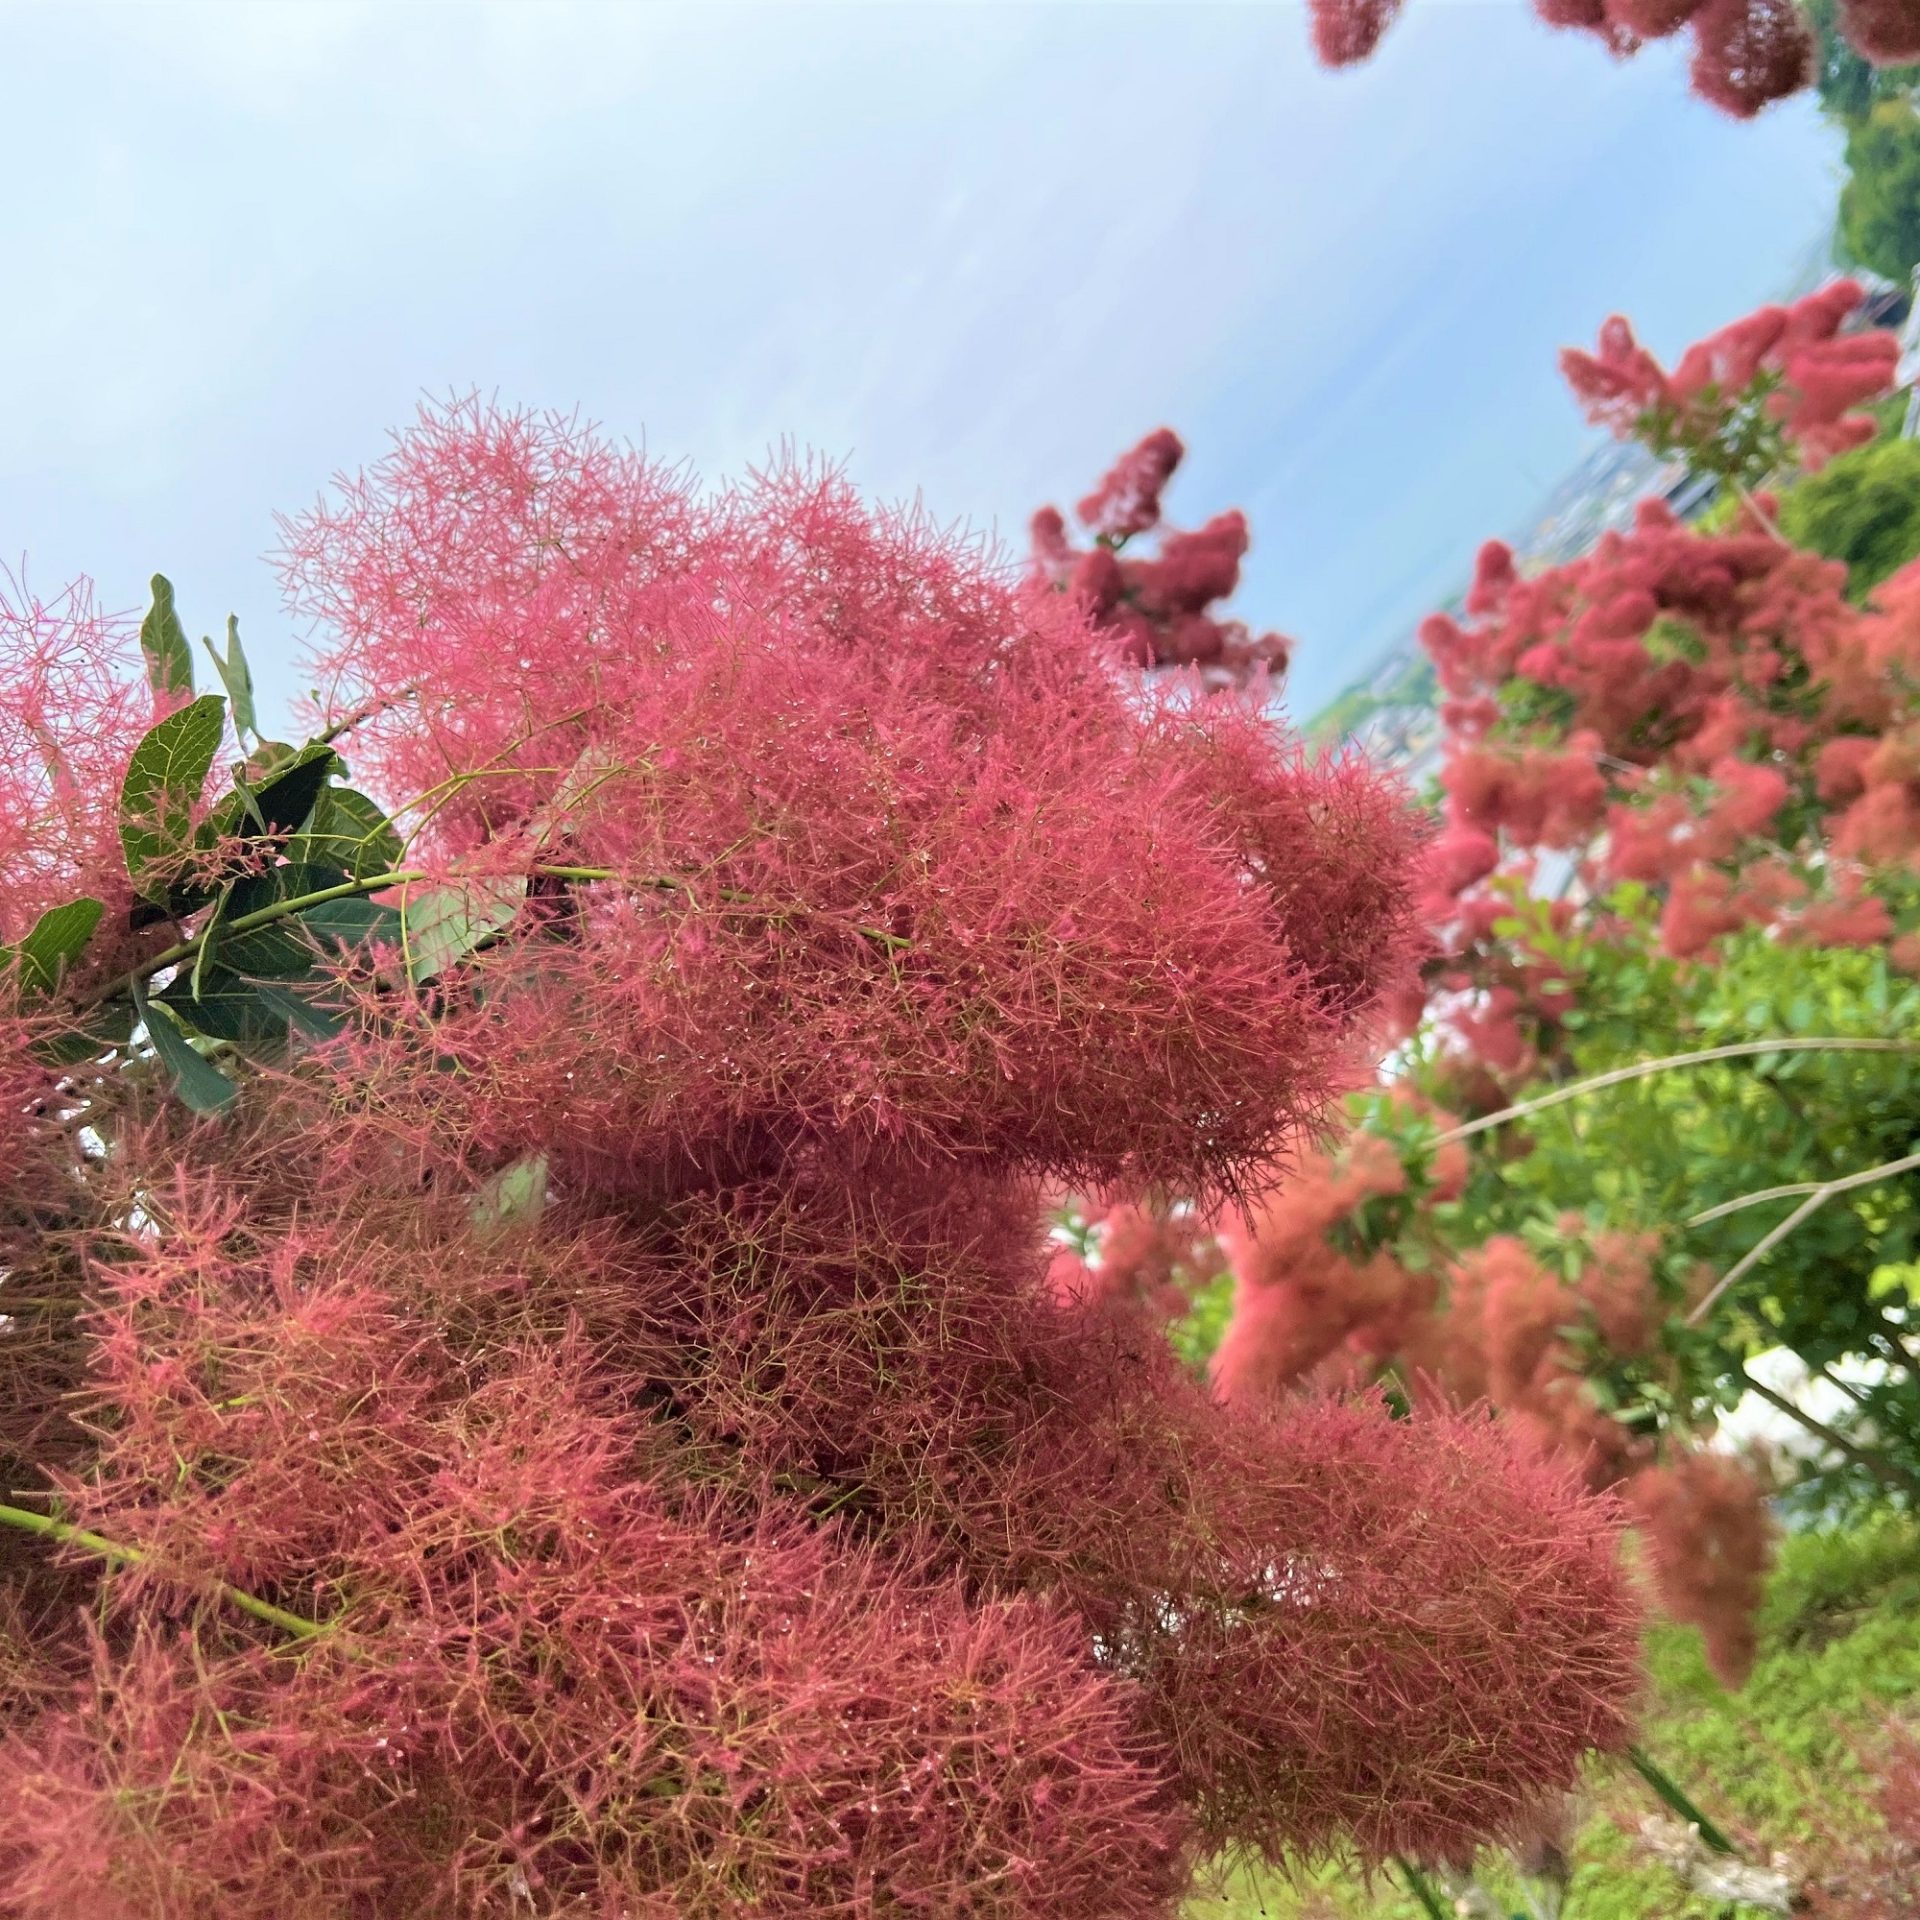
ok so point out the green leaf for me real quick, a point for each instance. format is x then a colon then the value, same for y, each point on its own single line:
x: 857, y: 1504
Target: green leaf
x: 260, y: 1016
x: 351, y: 922
x: 236, y: 676
x: 284, y: 947
x: 226, y: 1007
x: 446, y: 924
x: 196, y: 1079
x: 288, y: 882
x: 274, y: 805
x: 349, y: 831
x: 104, y: 1027
x: 164, y: 643
x: 288, y: 796
x: 304, y: 1011
x: 55, y: 942
x: 164, y: 781
x: 209, y: 941
x: 515, y: 1196
x: 276, y: 949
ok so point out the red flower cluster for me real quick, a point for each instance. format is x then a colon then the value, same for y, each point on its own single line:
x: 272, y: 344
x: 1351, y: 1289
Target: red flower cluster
x: 1887, y: 32
x: 1347, y: 31
x: 1785, y: 368
x: 865, y: 795
x: 1746, y: 53
x: 1506, y: 1331
x: 70, y: 715
x: 1502, y: 1332
x: 1709, y: 1541
x: 1679, y: 709
x: 740, y: 1519
x: 1708, y: 717
x: 1145, y: 1257
x: 1495, y: 1328
x: 1156, y: 608
x: 1298, y: 1298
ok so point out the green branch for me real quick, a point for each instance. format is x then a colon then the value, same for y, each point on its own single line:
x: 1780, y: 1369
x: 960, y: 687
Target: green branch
x: 1669, y: 1790
x: 183, y: 950
x: 1417, y: 1883
x: 119, y: 1555
x: 246, y: 923
x: 1882, y: 1469
x: 1817, y: 1197
x: 1642, y: 1069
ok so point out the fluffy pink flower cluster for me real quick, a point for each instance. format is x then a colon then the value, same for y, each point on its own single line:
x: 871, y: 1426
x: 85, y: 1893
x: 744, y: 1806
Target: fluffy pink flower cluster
x: 1157, y: 608
x: 632, y: 1344
x: 1792, y: 361
x: 1746, y: 53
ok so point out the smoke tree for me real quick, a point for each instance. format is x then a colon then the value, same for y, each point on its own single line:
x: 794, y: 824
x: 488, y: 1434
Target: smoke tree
x: 534, y: 1378
x: 1744, y: 54
x: 1675, y: 860
x: 1157, y: 608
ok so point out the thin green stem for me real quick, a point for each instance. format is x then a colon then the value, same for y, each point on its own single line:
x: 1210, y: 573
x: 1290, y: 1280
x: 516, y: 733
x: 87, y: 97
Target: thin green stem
x: 1669, y: 1790
x: 1642, y: 1069
x: 246, y: 922
x: 115, y: 1553
x: 276, y: 910
x: 1418, y: 1884
x: 1816, y: 1198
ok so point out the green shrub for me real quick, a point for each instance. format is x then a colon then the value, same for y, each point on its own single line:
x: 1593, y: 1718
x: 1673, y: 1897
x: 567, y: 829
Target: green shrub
x: 1864, y: 509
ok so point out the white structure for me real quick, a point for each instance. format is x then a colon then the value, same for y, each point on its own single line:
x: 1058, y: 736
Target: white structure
x: 1908, y: 375
x: 1787, y: 1374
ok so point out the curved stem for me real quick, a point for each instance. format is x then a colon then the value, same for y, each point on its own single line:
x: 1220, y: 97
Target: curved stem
x: 1816, y: 1198
x: 1669, y: 1790
x: 1417, y: 1883
x: 1882, y: 1470
x: 1791, y: 1191
x: 118, y: 1554
x: 1642, y: 1069
x: 377, y: 882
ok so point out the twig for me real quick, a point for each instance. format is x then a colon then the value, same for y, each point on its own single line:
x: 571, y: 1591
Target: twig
x: 1882, y: 1470
x: 1816, y: 1198
x: 1856, y: 1394
x: 328, y: 735
x: 1788, y: 1192
x: 1641, y: 1069
x: 1889, y: 1337
x: 118, y: 1554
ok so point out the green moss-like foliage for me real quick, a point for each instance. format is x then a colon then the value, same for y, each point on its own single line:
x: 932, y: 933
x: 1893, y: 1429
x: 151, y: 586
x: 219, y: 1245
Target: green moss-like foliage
x: 1864, y: 508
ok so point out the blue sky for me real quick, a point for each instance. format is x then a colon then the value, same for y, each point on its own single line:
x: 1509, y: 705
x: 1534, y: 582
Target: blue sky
x: 972, y: 250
